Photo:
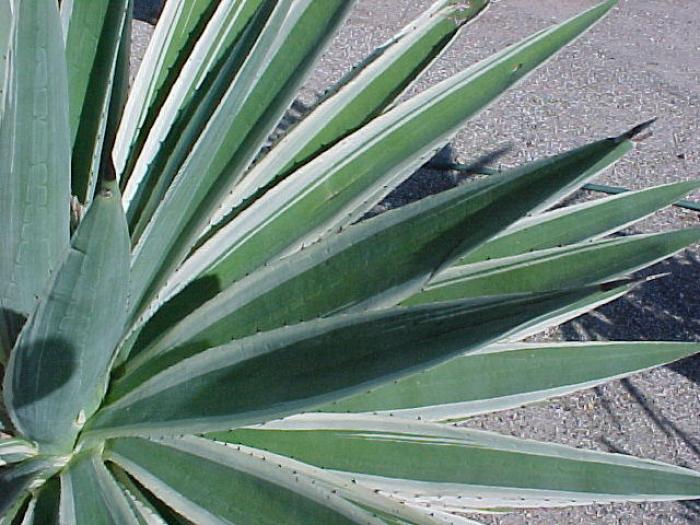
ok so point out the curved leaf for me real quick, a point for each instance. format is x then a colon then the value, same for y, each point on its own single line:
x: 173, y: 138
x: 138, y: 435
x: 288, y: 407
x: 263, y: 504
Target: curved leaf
x: 207, y: 72
x: 43, y: 509
x: 179, y: 26
x: 16, y: 482
x: 58, y: 370
x: 92, y: 49
x: 14, y: 450
x: 246, y: 114
x: 366, y: 91
x: 380, y: 155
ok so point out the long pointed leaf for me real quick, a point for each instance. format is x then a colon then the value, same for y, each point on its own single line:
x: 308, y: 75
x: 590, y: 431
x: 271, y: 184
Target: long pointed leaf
x: 368, y: 90
x: 16, y: 482
x: 14, y: 450
x: 313, y: 363
x: 456, y: 466
x: 90, y: 495
x: 58, y: 369
x: 386, y: 150
x: 248, y: 111
x: 142, y: 504
x: 571, y: 224
x: 616, y: 190
x: 179, y: 26
x: 556, y: 268
x: 34, y: 163
x: 210, y: 483
x: 422, y: 237
x: 83, y: 21
x: 485, y: 382
x: 95, y: 31
x: 571, y: 311
x: 44, y: 507
x: 211, y: 67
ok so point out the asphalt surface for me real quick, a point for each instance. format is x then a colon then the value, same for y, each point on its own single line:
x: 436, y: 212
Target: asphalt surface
x: 642, y: 61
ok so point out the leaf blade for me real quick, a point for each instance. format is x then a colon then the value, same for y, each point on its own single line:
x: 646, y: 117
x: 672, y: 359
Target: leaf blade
x: 312, y: 363
x: 555, y: 268
x: 439, y: 460
x: 422, y: 237
x: 484, y: 382
x: 57, y: 373
x: 376, y: 158
x: 174, y: 35
x: 256, y: 99
x: 93, y: 46
x: 89, y: 494
x: 585, y: 221
x: 34, y: 161
x: 233, y: 488
x: 364, y: 94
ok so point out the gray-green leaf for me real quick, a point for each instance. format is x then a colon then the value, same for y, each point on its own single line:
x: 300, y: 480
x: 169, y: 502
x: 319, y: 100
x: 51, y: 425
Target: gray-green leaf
x: 58, y: 370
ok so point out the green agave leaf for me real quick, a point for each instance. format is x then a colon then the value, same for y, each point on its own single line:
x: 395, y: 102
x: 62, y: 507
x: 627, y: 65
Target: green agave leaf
x: 402, y: 248
x: 179, y: 27
x: 320, y: 193
x: 43, y: 509
x: 58, y: 370
x: 555, y: 268
x: 5, y: 35
x: 119, y: 91
x: 16, y: 482
x: 14, y: 450
x: 453, y: 467
x: 310, y: 364
x: 94, y: 40
x: 249, y: 108
x: 83, y: 24
x: 90, y: 495
x: 207, y: 72
x: 572, y: 310
x: 490, y: 79
x: 386, y: 150
x: 484, y: 382
x: 366, y: 91
x: 211, y: 483
x: 585, y: 221
x: 142, y: 505
x: 34, y: 164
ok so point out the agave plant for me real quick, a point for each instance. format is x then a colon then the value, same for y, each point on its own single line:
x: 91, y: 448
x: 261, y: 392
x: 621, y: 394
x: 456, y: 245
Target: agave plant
x: 199, y: 328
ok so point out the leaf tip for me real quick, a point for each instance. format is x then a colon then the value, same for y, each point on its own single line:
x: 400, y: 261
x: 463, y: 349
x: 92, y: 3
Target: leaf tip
x: 637, y: 132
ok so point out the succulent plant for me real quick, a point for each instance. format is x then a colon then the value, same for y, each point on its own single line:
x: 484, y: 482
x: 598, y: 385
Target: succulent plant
x: 197, y: 327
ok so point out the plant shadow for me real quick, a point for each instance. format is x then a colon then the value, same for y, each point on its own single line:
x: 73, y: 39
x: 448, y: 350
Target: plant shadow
x: 148, y: 10
x: 58, y: 366
x: 665, y: 309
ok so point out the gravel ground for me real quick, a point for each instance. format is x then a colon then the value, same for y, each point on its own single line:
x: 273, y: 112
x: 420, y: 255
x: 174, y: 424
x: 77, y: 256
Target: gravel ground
x: 640, y: 62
